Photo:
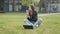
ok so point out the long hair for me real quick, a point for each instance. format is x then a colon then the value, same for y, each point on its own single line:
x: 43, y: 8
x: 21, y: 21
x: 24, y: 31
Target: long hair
x: 32, y: 7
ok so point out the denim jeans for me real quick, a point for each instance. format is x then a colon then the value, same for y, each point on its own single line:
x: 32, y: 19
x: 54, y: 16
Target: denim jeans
x: 38, y: 22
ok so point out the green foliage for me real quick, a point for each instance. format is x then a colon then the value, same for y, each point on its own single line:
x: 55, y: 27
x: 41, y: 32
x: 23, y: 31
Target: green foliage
x: 36, y: 2
x: 26, y: 2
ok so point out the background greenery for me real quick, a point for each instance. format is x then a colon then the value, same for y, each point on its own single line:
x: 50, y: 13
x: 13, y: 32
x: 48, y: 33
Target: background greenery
x: 28, y: 2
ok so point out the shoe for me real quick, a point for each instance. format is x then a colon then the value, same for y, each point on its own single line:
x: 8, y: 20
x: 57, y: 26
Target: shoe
x: 36, y: 25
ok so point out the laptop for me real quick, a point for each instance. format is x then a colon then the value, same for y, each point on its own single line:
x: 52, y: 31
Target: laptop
x: 28, y: 26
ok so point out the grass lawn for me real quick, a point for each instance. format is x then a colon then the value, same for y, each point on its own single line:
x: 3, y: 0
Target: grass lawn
x: 11, y: 23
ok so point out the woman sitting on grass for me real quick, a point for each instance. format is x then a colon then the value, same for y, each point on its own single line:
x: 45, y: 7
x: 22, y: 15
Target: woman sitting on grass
x: 32, y: 18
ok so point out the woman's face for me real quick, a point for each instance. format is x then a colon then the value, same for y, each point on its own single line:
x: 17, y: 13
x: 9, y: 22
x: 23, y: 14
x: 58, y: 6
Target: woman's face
x: 30, y: 8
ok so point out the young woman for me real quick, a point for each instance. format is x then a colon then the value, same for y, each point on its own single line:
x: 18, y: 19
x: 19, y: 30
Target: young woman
x: 32, y: 17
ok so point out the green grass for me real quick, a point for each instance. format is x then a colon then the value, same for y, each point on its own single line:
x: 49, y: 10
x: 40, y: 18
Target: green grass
x: 12, y: 23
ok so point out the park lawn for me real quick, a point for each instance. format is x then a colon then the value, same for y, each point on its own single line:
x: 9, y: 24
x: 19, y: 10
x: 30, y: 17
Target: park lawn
x: 12, y: 23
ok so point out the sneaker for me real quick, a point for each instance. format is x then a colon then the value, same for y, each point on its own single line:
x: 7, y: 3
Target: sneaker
x: 36, y: 25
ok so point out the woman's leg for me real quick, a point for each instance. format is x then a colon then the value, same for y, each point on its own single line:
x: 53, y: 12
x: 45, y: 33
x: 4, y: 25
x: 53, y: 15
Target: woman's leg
x: 38, y: 22
x: 27, y: 22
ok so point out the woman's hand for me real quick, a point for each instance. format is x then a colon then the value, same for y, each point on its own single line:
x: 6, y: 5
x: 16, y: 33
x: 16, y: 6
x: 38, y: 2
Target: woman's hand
x: 29, y: 16
x: 27, y: 13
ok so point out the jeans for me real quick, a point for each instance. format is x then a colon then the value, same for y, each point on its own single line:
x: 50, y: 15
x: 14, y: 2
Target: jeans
x: 38, y: 22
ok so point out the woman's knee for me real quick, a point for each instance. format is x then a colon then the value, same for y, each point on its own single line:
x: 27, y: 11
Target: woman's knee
x: 40, y: 19
x: 26, y: 20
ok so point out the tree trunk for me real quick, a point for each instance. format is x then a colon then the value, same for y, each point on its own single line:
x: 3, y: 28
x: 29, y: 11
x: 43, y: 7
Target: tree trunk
x: 40, y: 3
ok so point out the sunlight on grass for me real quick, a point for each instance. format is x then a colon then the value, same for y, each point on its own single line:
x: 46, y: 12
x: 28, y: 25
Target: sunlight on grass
x: 12, y: 23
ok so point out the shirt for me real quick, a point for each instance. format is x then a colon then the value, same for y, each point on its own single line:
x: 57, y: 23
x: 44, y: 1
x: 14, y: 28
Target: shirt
x: 33, y: 16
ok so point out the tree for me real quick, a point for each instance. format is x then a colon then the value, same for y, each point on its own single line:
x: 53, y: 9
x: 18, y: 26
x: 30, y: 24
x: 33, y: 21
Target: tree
x: 36, y: 2
x: 26, y: 2
x: 43, y: 5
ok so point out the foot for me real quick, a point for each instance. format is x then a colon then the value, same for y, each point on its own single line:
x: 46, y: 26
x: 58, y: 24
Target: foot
x: 35, y: 25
